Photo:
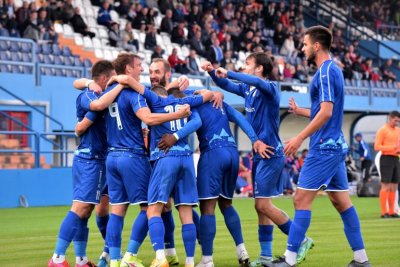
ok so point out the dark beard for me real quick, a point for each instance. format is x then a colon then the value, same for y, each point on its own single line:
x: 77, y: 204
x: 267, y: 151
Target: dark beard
x: 161, y: 82
x: 311, y: 59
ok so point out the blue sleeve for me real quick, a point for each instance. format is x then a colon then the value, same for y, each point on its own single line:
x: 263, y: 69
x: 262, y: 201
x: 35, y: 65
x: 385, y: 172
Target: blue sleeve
x: 87, y: 98
x: 91, y: 115
x: 151, y: 97
x: 192, y: 101
x: 236, y: 117
x: 191, y: 126
x: 189, y: 92
x: 138, y: 102
x: 226, y: 84
x: 265, y: 86
x: 327, y: 83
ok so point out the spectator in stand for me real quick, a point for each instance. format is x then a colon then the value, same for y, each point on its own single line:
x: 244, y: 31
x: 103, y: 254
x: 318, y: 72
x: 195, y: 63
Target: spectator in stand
x: 79, y: 24
x: 104, y: 17
x: 268, y: 15
x: 247, y: 41
x: 347, y: 69
x: 31, y: 28
x: 215, y: 53
x: 195, y: 16
x: 49, y: 34
x: 152, y: 4
x: 228, y: 44
x: 279, y: 35
x: 176, y: 63
x: 67, y: 11
x: 127, y: 34
x: 133, y: 11
x: 165, y: 4
x: 178, y: 34
x: 23, y: 14
x: 357, y: 68
x: 50, y: 11
x: 114, y: 35
x: 288, y: 72
x: 288, y: 49
x: 150, y: 41
x: 365, y: 156
x: 338, y: 45
x: 284, y: 19
x: 151, y: 15
x: 158, y: 53
x: 123, y: 8
x: 228, y: 62
x: 141, y: 18
x: 178, y: 13
x: 197, y: 44
x: 369, y: 72
x: 300, y: 74
x: 387, y: 74
x: 192, y: 63
x: 352, y: 53
x: 167, y: 25
x: 228, y: 12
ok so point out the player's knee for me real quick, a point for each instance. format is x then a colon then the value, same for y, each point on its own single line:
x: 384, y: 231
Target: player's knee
x: 224, y: 203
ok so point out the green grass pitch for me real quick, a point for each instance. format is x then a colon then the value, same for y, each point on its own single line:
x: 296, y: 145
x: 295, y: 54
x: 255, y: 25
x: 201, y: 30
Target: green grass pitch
x: 28, y: 235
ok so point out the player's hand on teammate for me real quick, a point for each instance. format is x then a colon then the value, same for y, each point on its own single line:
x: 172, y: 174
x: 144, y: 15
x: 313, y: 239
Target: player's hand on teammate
x: 121, y: 79
x: 292, y: 106
x: 184, y: 111
x: 218, y: 100
x: 221, y: 73
x: 206, y: 66
x: 95, y: 87
x: 145, y: 132
x: 167, y: 141
x: 264, y: 150
x: 292, y: 145
x: 183, y: 82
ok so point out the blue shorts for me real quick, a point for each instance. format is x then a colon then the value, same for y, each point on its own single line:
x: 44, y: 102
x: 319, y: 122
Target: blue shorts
x: 128, y: 177
x: 175, y: 177
x: 217, y: 173
x: 267, y: 182
x: 325, y: 171
x: 88, y: 179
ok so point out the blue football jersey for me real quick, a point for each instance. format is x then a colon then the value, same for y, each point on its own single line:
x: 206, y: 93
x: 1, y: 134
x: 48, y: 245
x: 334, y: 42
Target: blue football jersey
x: 327, y: 85
x: 93, y: 141
x: 262, y: 98
x: 169, y: 104
x: 124, y: 128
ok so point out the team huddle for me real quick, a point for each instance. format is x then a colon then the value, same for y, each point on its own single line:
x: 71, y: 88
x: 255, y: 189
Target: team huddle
x: 112, y: 164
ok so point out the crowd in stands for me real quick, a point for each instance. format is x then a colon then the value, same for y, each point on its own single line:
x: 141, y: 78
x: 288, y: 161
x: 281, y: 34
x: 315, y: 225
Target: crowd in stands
x: 220, y: 31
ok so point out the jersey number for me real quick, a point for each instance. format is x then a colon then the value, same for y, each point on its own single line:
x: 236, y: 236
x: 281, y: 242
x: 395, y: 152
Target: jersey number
x: 176, y: 124
x: 114, y: 113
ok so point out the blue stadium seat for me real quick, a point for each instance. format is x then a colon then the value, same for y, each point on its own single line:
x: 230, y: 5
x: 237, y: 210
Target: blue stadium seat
x: 56, y: 50
x: 87, y: 63
x: 69, y: 73
x: 14, y: 46
x: 26, y: 47
x: 40, y: 58
x: 66, y: 51
x: 365, y: 83
x: 48, y: 59
x: 27, y: 69
x: 78, y: 62
x: 378, y: 84
x: 46, y: 49
x: 5, y: 55
x: 16, y: 69
x: 4, y: 32
x: 347, y: 82
x: 4, y: 45
x: 46, y: 71
x: 353, y: 82
x: 5, y: 68
x: 26, y: 57
x: 384, y: 84
x: 68, y: 61
x: 59, y: 72
x: 16, y: 56
x: 14, y: 33
x: 58, y: 60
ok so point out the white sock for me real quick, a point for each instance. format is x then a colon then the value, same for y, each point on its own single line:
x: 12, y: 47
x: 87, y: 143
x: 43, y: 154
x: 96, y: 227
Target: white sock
x: 170, y: 251
x: 160, y: 254
x: 206, y: 259
x: 81, y: 260
x: 105, y: 255
x: 239, y: 249
x: 360, y: 256
x: 189, y: 260
x: 290, y: 257
x: 58, y: 258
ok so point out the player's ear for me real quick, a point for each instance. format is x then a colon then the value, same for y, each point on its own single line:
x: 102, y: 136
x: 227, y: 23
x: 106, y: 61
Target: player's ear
x: 168, y: 75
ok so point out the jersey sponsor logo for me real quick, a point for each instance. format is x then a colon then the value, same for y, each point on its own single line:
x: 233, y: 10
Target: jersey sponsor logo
x: 250, y: 109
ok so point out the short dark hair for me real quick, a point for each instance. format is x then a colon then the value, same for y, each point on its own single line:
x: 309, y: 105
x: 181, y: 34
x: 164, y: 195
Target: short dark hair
x: 159, y: 90
x: 176, y: 92
x: 262, y: 59
x: 123, y: 60
x: 102, y: 67
x: 321, y: 35
x: 394, y: 113
x: 167, y: 66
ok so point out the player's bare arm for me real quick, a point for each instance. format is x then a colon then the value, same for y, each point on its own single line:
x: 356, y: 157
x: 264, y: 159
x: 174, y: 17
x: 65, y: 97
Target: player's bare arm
x: 82, y: 83
x: 295, y: 109
x: 106, y: 99
x: 128, y: 81
x: 82, y: 126
x: 324, y: 114
x: 151, y: 119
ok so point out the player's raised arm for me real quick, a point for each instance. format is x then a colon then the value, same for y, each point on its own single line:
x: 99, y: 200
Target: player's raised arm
x: 106, y: 99
x: 293, y: 108
x: 151, y: 119
x: 265, y: 86
x: 128, y: 81
x: 83, y: 83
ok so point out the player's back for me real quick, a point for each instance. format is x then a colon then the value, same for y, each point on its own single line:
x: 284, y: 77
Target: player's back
x: 124, y: 128
x: 215, y: 130
x: 93, y: 141
x: 328, y: 86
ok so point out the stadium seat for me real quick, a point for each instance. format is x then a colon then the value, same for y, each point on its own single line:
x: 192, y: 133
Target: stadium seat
x: 79, y: 40
x: 14, y: 46
x: 56, y: 50
x: 87, y: 63
x: 384, y: 84
x: 26, y: 47
x: 78, y: 62
x: 5, y: 68
x: 66, y: 51
x: 365, y: 83
x: 46, y: 49
x: 4, y: 32
x: 347, y: 82
x: 114, y: 15
x: 16, y: 56
x: 58, y: 60
x: 27, y: 69
x: 58, y: 27
x: 4, y: 45
x: 16, y: 69
x: 48, y: 59
x: 114, y: 53
x: 69, y: 73
x: 103, y: 33
x: 89, y: 11
x: 26, y: 57
x: 87, y: 43
x: 107, y: 54
x: 98, y: 53
x: 96, y: 43
x: 46, y: 71
x: 5, y: 55
x: 59, y: 72
x: 104, y: 42
x: 69, y: 61
x: 68, y: 31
